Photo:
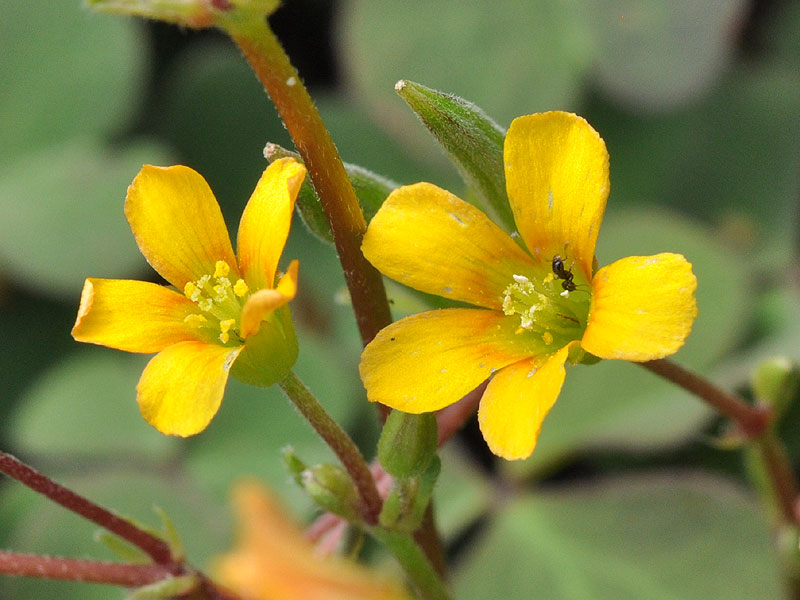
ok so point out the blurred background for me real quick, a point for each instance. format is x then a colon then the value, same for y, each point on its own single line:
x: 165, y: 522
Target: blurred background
x: 628, y: 494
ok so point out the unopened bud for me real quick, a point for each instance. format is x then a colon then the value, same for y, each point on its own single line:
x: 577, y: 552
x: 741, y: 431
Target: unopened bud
x: 472, y: 141
x: 332, y: 488
x: 407, y: 444
x: 776, y: 382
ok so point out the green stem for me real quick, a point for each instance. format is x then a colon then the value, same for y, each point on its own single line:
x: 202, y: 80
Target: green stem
x: 414, y: 562
x: 281, y: 81
x: 782, y: 480
x: 338, y: 440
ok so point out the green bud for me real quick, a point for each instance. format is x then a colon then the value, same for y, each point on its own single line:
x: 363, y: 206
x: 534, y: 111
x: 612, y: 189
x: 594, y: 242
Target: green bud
x: 166, y: 588
x: 371, y: 190
x: 293, y: 463
x: 404, y: 507
x: 332, y: 488
x: 408, y: 443
x: 776, y: 382
x: 472, y: 141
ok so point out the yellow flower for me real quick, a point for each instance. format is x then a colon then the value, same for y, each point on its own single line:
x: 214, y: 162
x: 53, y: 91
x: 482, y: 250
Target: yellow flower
x: 537, y: 308
x: 274, y: 561
x: 224, y: 316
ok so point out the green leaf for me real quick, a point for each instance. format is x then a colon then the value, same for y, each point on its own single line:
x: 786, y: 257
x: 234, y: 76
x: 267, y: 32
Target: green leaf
x: 63, y: 215
x: 510, y: 59
x: 65, y: 72
x: 655, y: 55
x: 639, y: 538
x: 86, y: 406
x: 472, y: 141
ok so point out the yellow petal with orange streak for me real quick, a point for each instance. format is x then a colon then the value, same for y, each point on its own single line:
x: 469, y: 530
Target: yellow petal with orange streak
x: 517, y: 400
x: 265, y: 222
x: 134, y: 316
x: 177, y: 224
x: 427, y: 361
x: 643, y: 308
x: 428, y: 239
x: 182, y: 386
x: 556, y: 169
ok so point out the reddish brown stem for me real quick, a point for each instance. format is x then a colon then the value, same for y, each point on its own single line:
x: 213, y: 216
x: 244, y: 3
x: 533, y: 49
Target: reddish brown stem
x: 71, y: 569
x: 782, y: 478
x: 157, y: 549
x: 752, y: 420
x: 282, y: 82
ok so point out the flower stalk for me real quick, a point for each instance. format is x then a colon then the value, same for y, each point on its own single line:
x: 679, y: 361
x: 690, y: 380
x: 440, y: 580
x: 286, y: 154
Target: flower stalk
x: 338, y: 440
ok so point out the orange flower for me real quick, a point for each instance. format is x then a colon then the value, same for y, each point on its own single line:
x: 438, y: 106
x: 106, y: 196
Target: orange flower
x: 275, y: 562
x: 227, y: 316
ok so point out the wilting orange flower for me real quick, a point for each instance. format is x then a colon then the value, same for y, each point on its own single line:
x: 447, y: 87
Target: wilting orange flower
x: 221, y: 316
x: 275, y: 562
x: 538, y: 308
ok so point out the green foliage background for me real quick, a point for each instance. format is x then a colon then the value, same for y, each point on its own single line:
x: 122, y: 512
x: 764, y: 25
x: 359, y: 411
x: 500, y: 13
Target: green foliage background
x: 626, y: 495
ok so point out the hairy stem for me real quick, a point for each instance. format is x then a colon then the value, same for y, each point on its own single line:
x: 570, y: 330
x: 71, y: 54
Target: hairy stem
x: 157, y: 549
x: 281, y: 81
x: 338, y: 440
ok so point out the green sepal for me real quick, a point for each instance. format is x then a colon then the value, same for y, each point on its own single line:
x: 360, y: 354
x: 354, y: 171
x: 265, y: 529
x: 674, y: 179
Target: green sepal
x: 171, y: 587
x: 293, y: 464
x: 371, y: 190
x: 330, y: 486
x: 407, y: 443
x: 270, y: 354
x: 124, y: 550
x: 472, y: 141
x: 405, y: 505
x: 171, y: 535
x: 776, y: 383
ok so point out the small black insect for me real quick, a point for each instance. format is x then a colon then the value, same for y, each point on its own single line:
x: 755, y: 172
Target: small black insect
x: 563, y: 273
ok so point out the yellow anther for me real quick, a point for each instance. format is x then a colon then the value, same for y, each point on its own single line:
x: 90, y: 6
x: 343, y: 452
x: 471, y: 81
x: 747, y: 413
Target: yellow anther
x: 205, y: 304
x: 549, y: 277
x: 196, y: 319
x: 224, y: 337
x: 240, y: 288
x: 190, y: 290
x: 225, y: 325
x: 221, y: 269
x: 547, y: 337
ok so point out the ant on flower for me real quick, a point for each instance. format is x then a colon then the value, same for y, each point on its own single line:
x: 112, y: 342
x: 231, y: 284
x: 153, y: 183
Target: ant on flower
x: 562, y: 273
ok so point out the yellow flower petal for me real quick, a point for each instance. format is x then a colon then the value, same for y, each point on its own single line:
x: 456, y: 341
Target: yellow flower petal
x: 428, y: 239
x: 642, y: 308
x: 135, y: 316
x: 178, y: 224
x: 265, y: 222
x: 274, y: 561
x: 263, y: 302
x: 427, y: 361
x: 557, y: 179
x: 517, y: 400
x: 181, y: 388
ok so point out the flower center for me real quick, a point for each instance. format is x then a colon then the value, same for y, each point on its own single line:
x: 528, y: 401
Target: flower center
x: 555, y: 312
x: 220, y: 303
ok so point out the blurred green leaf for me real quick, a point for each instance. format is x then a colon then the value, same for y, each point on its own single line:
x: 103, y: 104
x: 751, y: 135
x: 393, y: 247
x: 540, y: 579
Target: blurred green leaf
x: 509, y: 59
x: 642, y: 538
x: 86, y: 407
x: 654, y: 55
x: 63, y: 215
x: 217, y: 116
x: 463, y: 493
x: 65, y: 72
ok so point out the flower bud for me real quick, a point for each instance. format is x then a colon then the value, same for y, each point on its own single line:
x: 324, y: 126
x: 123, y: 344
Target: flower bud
x: 407, y: 444
x: 371, y: 190
x: 332, y: 488
x: 472, y: 141
x: 776, y: 382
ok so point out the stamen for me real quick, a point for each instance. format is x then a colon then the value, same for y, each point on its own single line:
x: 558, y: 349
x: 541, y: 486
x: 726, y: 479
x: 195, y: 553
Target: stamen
x: 547, y: 337
x: 221, y: 269
x: 240, y: 288
x: 191, y: 291
x: 195, y: 319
